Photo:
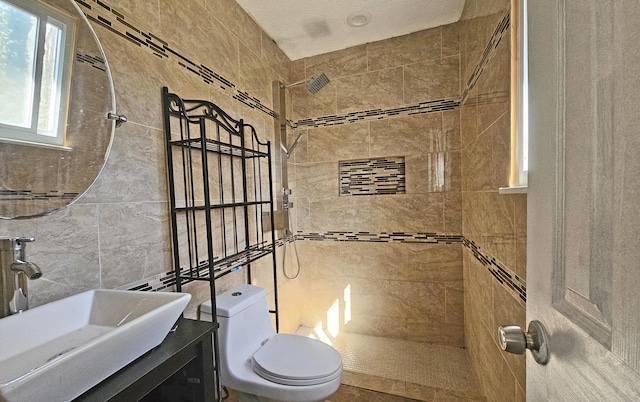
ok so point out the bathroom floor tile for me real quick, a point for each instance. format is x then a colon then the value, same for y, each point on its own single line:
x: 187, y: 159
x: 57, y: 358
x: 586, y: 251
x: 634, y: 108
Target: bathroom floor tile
x: 415, y: 370
x: 393, y: 370
x: 347, y: 393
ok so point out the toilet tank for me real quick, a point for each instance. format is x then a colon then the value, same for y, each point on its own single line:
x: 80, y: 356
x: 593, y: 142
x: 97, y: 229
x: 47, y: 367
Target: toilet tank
x: 236, y: 300
x: 243, y: 316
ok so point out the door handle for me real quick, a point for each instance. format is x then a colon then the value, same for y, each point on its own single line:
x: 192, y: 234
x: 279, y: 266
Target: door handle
x: 513, y: 340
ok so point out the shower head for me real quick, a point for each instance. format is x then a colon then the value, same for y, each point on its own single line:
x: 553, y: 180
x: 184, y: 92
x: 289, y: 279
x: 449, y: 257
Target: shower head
x: 315, y: 83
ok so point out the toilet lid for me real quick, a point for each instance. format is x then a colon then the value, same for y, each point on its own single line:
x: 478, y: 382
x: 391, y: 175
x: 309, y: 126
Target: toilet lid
x: 296, y: 360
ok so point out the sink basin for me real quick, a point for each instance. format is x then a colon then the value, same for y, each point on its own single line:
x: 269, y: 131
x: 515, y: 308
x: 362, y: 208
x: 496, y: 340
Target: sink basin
x: 57, y: 351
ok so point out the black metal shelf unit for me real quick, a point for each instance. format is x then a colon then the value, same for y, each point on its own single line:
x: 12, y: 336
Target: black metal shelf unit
x: 220, y: 182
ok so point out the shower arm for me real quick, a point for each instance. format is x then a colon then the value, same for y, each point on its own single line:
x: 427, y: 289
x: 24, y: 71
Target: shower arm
x: 283, y: 86
x: 316, y: 83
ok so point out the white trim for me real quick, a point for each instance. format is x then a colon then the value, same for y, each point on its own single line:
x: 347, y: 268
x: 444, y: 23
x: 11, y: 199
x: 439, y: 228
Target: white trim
x: 36, y: 144
x: 513, y: 190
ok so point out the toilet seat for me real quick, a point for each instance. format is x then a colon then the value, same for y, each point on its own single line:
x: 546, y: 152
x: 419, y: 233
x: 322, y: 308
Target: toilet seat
x: 296, y: 360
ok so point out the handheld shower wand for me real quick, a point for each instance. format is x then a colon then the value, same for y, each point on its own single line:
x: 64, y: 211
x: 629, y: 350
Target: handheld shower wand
x: 289, y: 151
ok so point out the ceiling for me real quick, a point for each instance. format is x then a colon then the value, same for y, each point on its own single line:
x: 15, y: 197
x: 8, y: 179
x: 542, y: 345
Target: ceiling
x: 304, y: 28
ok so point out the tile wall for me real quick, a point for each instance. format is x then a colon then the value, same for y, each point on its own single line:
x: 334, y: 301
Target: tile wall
x: 118, y: 233
x: 365, y: 267
x: 493, y: 225
x: 365, y: 272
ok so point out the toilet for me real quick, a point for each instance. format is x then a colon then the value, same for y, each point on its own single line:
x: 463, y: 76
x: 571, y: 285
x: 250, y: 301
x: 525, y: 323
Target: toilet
x: 262, y: 365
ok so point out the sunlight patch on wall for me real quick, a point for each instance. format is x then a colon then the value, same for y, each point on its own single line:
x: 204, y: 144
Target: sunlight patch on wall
x: 347, y: 304
x: 333, y: 319
x: 338, y: 315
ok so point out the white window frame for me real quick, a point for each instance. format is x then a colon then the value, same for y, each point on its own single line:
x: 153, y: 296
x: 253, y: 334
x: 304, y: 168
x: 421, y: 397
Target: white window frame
x: 67, y: 25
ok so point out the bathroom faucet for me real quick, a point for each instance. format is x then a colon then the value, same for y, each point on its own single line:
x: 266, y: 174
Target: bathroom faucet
x: 14, y: 273
x: 29, y: 269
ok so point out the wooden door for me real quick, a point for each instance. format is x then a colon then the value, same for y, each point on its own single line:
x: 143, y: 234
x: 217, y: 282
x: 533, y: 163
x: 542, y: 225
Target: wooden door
x: 583, y: 254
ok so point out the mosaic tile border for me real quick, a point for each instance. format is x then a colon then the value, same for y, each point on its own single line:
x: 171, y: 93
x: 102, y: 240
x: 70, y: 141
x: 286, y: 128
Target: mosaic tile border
x: 166, y: 281
x: 499, y: 33
x: 512, y: 282
x: 438, y: 105
x: 103, y: 14
x: 28, y: 195
x: 383, y: 237
x: 374, y: 176
x: 93, y: 61
x: 109, y: 18
x: 158, y: 283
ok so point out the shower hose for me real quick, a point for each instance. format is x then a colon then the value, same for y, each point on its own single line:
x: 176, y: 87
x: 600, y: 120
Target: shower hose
x: 288, y: 232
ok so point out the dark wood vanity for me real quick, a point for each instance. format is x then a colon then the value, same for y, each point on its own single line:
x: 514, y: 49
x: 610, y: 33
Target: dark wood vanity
x: 180, y: 368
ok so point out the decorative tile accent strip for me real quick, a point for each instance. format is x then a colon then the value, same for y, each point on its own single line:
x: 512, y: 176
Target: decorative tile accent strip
x: 166, y: 281
x: 94, y: 61
x: 501, y: 30
x: 509, y: 280
x: 383, y: 237
x: 101, y: 13
x: 373, y: 176
x: 161, y: 282
x: 378, y: 114
x: 24, y: 195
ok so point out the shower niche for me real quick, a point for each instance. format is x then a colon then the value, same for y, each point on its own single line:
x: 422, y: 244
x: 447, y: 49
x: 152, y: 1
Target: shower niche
x: 220, y: 181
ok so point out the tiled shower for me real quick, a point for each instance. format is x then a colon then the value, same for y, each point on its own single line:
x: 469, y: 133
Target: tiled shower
x: 402, y: 234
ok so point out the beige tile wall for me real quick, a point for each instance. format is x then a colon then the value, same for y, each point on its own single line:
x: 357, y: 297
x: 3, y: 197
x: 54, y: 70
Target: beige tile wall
x: 412, y: 68
x: 495, y: 223
x: 405, y: 291
x: 402, y: 291
x: 119, y: 232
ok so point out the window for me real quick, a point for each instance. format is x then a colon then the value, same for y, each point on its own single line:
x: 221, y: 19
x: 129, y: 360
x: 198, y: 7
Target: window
x: 519, y: 99
x: 36, y: 47
x: 522, y: 144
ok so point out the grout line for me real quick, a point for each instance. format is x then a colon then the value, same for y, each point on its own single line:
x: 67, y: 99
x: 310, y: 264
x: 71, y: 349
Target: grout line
x: 97, y: 206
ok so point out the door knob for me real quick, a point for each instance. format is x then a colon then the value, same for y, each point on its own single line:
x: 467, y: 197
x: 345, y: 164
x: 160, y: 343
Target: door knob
x: 513, y: 340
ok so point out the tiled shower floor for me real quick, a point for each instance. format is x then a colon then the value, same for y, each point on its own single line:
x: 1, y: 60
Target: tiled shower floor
x: 415, y: 370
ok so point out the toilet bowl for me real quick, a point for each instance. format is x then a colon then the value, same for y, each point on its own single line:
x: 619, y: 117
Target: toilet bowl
x: 262, y: 365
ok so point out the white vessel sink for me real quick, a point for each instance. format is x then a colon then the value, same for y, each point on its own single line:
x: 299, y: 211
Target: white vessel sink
x: 57, y: 351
